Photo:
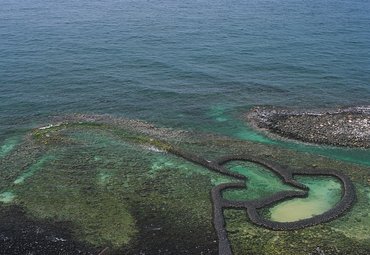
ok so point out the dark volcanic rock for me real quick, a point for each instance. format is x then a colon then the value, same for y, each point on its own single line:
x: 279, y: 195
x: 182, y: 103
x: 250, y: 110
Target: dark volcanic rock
x: 341, y: 127
x: 22, y: 235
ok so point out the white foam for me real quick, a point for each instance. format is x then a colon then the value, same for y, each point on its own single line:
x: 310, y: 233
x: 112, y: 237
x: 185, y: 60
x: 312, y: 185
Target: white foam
x: 155, y: 149
x: 46, y: 127
x: 50, y: 126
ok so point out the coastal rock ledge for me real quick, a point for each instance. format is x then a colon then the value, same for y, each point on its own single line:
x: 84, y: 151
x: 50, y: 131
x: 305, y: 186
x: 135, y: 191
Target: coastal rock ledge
x: 348, y: 127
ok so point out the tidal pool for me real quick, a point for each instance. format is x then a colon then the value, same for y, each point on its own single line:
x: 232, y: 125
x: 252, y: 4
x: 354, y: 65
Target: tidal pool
x: 261, y: 182
x: 324, y: 193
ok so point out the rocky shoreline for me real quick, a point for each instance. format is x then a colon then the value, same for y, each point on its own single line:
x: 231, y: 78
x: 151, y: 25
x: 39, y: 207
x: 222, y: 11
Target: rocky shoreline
x: 348, y: 127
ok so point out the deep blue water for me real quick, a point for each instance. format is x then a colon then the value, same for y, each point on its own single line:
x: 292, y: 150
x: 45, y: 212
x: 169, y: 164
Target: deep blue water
x: 179, y: 63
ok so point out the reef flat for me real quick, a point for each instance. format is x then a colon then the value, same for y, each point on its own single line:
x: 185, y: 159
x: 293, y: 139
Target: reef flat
x: 340, y: 127
x: 119, y: 186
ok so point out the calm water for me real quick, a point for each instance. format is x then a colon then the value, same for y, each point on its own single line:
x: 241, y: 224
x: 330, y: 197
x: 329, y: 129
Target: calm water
x: 184, y: 64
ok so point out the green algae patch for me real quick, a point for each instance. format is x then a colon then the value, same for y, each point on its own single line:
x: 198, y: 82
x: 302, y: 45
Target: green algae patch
x: 104, y: 178
x: 174, y: 212
x: 98, y: 219
x: 100, y: 179
x: 190, y: 170
x: 324, y: 193
x: 261, y: 182
x: 65, y: 191
x: 248, y: 239
x: 356, y: 223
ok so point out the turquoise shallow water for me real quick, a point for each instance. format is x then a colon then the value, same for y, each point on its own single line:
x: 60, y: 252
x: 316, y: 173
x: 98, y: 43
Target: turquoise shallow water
x: 227, y: 123
x: 184, y: 64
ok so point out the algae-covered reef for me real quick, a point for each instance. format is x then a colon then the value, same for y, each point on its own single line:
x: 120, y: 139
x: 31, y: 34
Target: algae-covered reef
x: 340, y: 127
x: 96, y: 183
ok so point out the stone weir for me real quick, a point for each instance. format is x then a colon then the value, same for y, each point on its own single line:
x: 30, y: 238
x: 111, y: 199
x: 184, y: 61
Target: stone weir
x: 252, y: 207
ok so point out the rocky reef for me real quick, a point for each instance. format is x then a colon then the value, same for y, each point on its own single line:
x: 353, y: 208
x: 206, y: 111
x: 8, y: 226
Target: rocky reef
x: 105, y: 185
x: 340, y: 127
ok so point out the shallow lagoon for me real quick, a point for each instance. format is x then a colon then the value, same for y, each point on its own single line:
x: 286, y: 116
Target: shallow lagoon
x: 324, y: 194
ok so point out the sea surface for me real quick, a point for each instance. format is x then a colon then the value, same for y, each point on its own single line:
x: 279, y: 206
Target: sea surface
x: 194, y: 65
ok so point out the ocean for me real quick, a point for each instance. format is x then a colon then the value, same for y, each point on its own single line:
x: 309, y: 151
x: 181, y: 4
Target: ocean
x: 179, y: 63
